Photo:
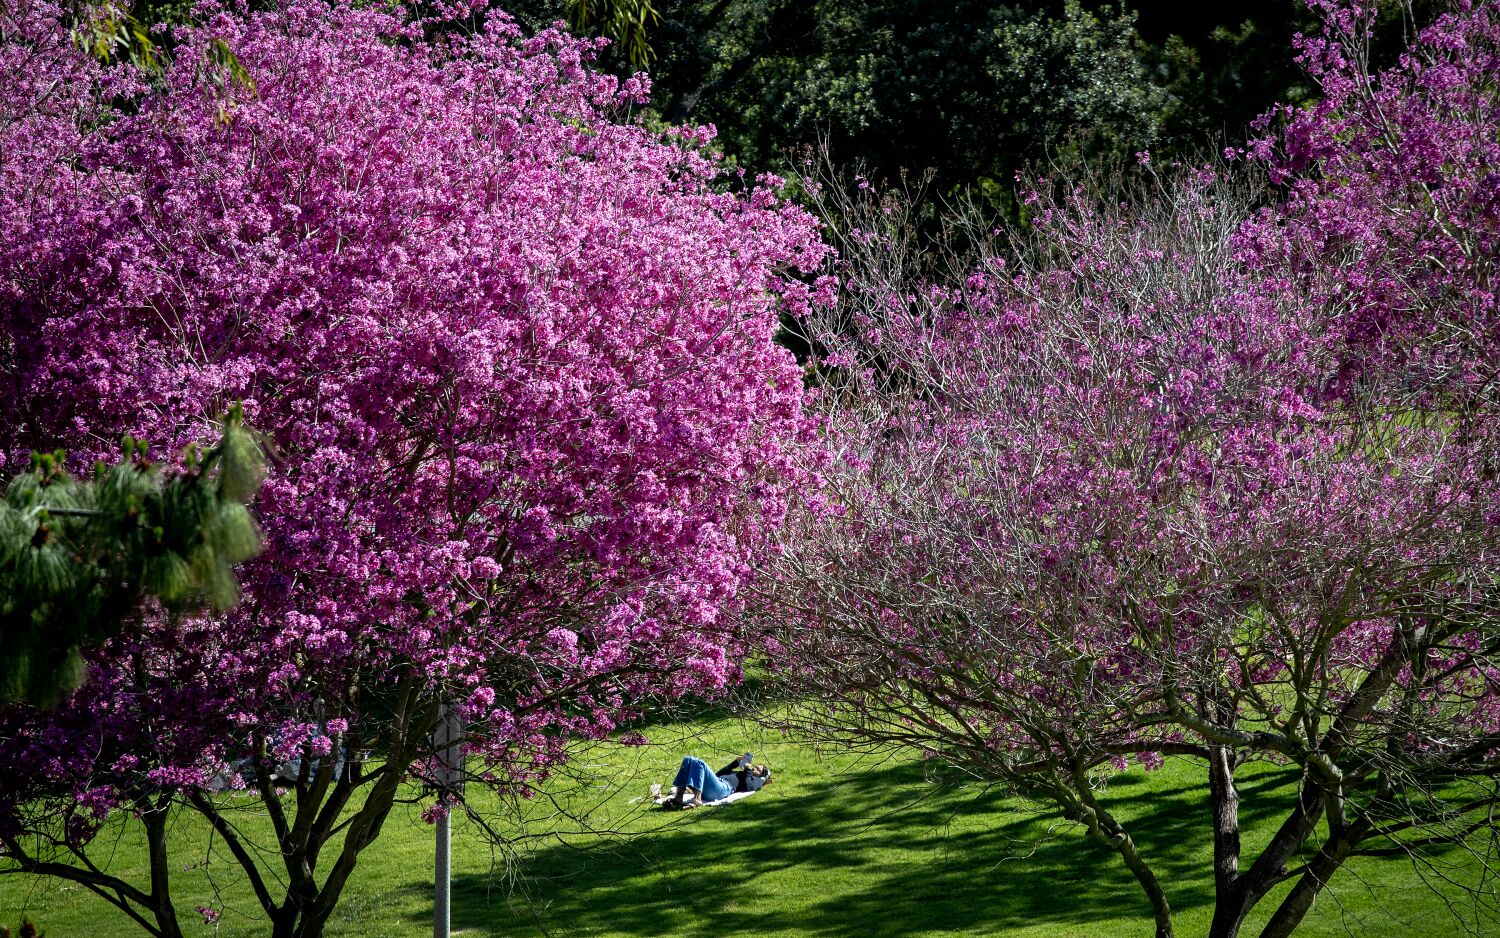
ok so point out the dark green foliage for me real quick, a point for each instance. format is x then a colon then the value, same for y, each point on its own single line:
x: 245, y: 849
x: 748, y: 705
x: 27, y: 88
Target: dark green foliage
x: 1223, y: 67
x: 971, y: 89
x: 78, y: 559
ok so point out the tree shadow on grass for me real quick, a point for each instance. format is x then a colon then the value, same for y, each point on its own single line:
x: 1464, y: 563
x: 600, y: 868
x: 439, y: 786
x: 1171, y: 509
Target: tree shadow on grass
x: 891, y: 852
x: 752, y: 695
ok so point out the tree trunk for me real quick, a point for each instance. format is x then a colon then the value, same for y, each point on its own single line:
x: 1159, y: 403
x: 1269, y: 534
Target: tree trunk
x: 1231, y: 898
x: 305, y: 915
x: 306, y: 910
x: 1161, y: 910
x: 1297, y: 903
x: 1080, y: 805
x: 363, y: 830
x: 154, y: 818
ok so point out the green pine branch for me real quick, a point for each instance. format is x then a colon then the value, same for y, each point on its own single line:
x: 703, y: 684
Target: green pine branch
x: 81, y: 558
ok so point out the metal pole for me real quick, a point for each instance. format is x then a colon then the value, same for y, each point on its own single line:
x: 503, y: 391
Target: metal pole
x: 441, y: 892
x: 446, y: 738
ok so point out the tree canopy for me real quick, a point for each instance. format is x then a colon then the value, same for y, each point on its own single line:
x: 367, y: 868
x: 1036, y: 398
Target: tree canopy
x: 511, y: 353
x: 1172, y: 472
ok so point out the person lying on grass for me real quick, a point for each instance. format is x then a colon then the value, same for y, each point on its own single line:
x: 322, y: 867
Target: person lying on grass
x: 695, y: 784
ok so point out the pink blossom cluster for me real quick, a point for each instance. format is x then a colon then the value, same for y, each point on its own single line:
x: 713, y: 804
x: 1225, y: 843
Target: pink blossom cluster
x: 510, y: 350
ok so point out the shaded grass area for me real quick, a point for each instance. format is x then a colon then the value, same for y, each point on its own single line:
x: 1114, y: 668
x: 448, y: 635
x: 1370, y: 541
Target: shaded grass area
x: 840, y: 845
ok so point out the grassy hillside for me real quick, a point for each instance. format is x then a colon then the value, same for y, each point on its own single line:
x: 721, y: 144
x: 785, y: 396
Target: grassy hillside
x: 839, y: 846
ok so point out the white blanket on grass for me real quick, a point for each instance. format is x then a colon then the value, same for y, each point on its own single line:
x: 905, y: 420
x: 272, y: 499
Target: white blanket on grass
x: 709, y: 804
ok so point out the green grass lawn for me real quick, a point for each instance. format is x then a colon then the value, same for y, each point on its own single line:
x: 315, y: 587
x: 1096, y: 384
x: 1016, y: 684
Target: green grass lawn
x: 838, y: 846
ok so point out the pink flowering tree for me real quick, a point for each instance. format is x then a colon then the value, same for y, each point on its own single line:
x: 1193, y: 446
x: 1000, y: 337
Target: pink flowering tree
x: 512, y: 357
x: 1173, y: 475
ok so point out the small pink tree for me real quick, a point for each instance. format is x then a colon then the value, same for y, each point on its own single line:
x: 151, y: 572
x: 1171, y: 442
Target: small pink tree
x: 512, y: 354
x: 1175, y: 475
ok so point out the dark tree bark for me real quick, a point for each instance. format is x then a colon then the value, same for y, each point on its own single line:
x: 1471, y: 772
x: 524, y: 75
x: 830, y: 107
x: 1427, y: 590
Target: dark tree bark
x: 1231, y: 899
x: 155, y: 821
x: 1080, y: 805
x: 1299, y: 901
